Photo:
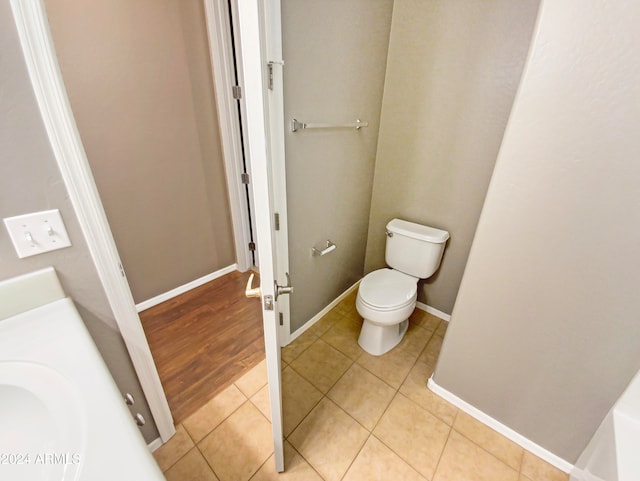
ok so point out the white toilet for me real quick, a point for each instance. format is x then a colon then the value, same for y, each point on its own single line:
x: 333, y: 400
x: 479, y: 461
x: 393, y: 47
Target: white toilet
x: 387, y: 297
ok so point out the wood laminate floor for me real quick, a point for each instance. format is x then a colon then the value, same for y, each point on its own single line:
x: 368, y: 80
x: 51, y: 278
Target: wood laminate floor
x: 203, y: 340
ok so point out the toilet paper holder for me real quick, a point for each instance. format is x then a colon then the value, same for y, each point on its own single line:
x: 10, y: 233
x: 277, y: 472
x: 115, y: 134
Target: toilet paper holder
x: 330, y: 247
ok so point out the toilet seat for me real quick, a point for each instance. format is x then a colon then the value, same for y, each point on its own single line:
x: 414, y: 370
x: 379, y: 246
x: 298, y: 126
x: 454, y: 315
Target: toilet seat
x: 388, y: 290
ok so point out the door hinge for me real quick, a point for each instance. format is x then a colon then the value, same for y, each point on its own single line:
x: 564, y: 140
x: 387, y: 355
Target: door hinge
x: 270, y: 65
x: 281, y: 316
x: 236, y: 90
x: 252, y: 246
x: 121, y: 269
x: 244, y: 177
x: 276, y: 221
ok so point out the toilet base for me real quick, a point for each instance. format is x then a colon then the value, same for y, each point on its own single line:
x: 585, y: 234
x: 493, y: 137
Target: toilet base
x: 377, y: 339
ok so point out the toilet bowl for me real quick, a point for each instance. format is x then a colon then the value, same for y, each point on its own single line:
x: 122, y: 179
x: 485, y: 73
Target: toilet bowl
x: 387, y: 297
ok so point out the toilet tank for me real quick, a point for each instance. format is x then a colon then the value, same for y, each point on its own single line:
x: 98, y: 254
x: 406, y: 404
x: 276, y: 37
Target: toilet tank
x: 413, y: 248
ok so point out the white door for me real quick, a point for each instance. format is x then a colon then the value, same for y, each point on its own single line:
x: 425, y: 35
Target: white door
x: 265, y: 144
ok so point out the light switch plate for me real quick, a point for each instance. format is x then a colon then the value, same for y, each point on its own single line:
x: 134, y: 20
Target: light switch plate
x: 37, y: 233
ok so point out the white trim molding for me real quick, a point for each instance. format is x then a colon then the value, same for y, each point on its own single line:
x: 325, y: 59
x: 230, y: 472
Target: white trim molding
x: 221, y: 51
x: 154, y: 301
x: 294, y: 335
x: 321, y: 314
x: 155, y: 444
x: 507, y: 432
x: 432, y: 310
x: 37, y: 46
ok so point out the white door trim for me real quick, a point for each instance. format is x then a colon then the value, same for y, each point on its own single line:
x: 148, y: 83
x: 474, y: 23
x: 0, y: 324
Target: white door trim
x: 221, y: 51
x: 37, y: 46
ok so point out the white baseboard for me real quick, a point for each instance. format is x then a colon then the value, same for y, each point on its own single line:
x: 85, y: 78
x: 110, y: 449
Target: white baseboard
x: 322, y: 313
x: 155, y: 444
x: 154, y: 301
x: 432, y: 310
x: 507, y: 432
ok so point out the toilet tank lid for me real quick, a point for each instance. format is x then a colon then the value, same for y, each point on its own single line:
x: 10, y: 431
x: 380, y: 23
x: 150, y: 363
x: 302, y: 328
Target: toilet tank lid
x: 417, y: 231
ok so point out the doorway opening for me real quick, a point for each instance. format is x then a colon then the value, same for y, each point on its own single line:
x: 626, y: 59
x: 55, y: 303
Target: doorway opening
x: 237, y: 95
x: 203, y: 340
x: 144, y: 101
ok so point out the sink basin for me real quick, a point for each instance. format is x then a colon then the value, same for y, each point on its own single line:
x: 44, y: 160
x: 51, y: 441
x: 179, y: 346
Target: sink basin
x: 62, y: 417
x: 42, y: 410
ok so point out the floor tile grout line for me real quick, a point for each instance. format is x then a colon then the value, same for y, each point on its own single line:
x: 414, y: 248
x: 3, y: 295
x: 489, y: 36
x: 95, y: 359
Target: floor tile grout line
x: 260, y: 467
x: 317, y: 336
x: 370, y: 433
x: 377, y: 377
x: 308, y: 461
x: 339, y: 407
x: 522, y: 463
x: 356, y: 456
x: 352, y: 362
x: 235, y: 381
x: 453, y: 428
x: 401, y: 456
x: 304, y: 417
x: 347, y: 413
x: 385, y: 410
x: 259, y: 410
x: 221, y: 421
x: 188, y: 450
x: 518, y: 471
x: 523, y: 450
x: 303, y: 351
x: 197, y: 445
x: 444, y: 447
x: 428, y: 412
x: 206, y: 460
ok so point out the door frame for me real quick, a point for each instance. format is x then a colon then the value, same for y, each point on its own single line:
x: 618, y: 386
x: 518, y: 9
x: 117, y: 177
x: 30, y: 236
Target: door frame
x: 42, y: 64
x: 219, y: 36
x: 46, y: 79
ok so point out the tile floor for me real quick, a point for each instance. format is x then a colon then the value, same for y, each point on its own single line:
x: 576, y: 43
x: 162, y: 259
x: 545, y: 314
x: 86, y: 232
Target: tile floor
x: 347, y: 416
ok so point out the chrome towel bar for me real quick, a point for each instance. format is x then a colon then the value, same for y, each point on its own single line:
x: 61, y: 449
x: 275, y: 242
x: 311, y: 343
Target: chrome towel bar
x: 298, y: 125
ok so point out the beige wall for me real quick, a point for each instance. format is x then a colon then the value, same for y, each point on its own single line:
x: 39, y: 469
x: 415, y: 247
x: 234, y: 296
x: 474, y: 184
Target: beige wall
x: 544, y: 335
x: 30, y: 182
x: 452, y: 73
x: 335, y: 56
x: 139, y: 81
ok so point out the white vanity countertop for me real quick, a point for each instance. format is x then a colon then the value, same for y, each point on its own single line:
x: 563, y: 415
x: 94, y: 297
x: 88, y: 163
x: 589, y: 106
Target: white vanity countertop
x: 58, y: 398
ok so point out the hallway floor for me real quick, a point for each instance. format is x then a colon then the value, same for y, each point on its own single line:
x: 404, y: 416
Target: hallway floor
x: 347, y: 416
x: 203, y: 340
